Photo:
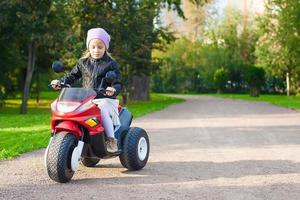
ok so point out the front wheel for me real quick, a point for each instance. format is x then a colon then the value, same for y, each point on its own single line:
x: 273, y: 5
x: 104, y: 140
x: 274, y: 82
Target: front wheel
x: 135, y: 149
x: 58, y: 158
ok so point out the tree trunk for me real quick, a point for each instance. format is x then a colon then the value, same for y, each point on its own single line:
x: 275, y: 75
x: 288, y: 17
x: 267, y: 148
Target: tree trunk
x: 124, y: 96
x: 254, y: 91
x: 37, y: 89
x: 288, y: 84
x: 29, y: 73
x: 219, y: 91
x: 140, y: 88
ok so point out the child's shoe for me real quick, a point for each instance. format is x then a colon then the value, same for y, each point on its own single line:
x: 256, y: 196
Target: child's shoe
x: 112, y: 145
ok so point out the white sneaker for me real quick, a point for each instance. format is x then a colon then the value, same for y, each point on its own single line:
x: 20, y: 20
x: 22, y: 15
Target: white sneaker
x: 111, y: 145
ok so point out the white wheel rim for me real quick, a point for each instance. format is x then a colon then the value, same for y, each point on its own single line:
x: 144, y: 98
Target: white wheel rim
x: 142, y: 148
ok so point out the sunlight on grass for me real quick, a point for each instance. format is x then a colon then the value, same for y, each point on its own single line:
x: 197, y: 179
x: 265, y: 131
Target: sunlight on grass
x: 157, y: 102
x: 24, y: 129
x: 14, y: 143
x: 292, y: 102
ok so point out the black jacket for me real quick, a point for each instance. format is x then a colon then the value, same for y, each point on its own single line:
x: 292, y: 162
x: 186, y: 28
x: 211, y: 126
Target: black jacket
x: 92, y: 71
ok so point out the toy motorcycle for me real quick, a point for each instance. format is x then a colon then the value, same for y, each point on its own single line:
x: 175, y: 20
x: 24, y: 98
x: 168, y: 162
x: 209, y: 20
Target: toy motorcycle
x: 78, y: 135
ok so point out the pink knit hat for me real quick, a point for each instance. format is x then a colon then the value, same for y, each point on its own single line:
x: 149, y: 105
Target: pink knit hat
x: 98, y: 33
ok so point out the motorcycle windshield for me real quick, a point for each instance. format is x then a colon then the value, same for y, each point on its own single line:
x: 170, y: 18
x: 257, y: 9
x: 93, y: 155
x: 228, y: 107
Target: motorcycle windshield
x: 76, y: 94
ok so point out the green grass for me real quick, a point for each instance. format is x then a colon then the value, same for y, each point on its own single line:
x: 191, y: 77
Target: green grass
x: 292, y: 102
x: 24, y: 133
x: 157, y: 102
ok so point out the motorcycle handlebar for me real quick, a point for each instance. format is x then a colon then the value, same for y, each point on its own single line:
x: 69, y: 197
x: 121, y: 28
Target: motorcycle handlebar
x: 62, y: 85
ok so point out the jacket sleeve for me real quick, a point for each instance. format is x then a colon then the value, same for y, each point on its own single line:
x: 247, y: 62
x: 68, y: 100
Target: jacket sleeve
x: 117, y: 84
x: 71, y: 77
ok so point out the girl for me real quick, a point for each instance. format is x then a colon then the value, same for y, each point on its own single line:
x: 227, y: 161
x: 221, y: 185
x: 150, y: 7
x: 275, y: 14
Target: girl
x: 91, y: 68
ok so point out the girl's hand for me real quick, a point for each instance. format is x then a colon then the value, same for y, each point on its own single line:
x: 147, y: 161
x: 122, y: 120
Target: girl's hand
x: 55, y: 84
x: 110, y: 91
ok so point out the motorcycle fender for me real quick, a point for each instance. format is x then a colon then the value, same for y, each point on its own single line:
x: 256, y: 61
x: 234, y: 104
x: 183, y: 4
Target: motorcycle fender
x: 69, y: 126
x: 46, y: 153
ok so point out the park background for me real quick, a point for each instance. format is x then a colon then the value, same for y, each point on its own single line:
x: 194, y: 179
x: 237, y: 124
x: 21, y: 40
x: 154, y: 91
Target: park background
x: 240, y: 49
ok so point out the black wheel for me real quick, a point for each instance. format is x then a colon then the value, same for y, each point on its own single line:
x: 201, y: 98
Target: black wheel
x: 135, y: 149
x: 59, y: 156
x: 89, y: 162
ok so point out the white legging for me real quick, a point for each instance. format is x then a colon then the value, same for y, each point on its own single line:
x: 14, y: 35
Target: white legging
x: 107, y: 122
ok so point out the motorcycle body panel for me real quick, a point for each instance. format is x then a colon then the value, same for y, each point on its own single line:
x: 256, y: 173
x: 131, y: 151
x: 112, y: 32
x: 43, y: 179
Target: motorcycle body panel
x: 79, y: 119
x: 86, y: 125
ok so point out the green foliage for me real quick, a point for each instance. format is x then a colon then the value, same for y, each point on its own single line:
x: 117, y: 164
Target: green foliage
x: 220, y: 79
x: 37, y: 25
x: 57, y: 30
x: 131, y: 25
x: 278, y: 48
x: 274, y: 84
x: 179, y: 70
x: 238, y: 43
x: 255, y: 78
x: 190, y: 66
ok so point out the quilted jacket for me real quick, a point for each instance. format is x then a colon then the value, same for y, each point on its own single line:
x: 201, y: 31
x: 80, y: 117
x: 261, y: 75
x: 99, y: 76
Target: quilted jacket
x: 92, y: 73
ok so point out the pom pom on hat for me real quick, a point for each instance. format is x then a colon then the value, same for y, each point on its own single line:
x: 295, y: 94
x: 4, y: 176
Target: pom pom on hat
x: 98, y: 33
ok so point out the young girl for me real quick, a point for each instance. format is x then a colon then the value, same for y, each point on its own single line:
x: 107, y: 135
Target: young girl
x: 92, y: 68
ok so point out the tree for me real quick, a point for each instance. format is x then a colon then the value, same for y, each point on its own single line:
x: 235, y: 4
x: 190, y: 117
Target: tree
x: 278, y: 48
x: 134, y: 35
x: 219, y: 58
x: 237, y: 44
x: 31, y: 26
x: 220, y: 79
x: 39, y: 31
x: 187, y: 66
x: 192, y: 25
x: 255, y: 78
x: 11, y: 59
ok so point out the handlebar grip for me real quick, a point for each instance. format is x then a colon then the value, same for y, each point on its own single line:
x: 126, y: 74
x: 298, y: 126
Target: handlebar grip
x: 62, y: 85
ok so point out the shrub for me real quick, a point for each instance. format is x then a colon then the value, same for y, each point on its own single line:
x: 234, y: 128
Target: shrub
x: 220, y: 79
x: 255, y: 78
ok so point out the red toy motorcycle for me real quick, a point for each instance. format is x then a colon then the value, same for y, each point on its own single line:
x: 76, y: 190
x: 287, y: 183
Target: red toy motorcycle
x: 77, y: 134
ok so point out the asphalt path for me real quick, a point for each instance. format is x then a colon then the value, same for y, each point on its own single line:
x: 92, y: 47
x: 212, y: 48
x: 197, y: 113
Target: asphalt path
x: 205, y: 148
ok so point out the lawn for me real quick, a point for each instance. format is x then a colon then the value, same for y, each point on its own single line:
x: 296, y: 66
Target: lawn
x: 292, y: 102
x: 24, y: 133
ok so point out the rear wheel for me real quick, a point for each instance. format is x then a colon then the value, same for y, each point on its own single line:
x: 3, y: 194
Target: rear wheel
x: 89, y: 162
x: 59, y: 156
x: 135, y: 149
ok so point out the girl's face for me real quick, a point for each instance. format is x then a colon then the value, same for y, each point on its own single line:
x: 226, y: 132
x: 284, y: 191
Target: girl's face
x: 96, y: 48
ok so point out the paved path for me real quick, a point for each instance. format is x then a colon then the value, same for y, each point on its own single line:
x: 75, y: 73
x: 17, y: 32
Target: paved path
x: 205, y: 148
